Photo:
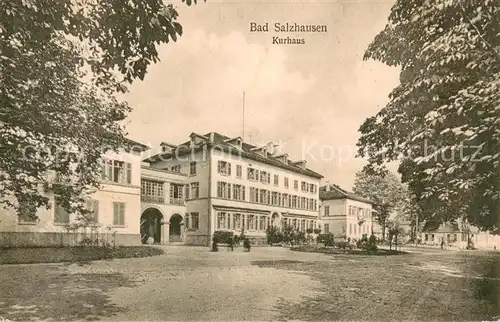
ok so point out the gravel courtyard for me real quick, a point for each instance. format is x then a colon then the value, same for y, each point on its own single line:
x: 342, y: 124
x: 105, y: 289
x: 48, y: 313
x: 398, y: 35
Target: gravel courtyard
x: 191, y: 283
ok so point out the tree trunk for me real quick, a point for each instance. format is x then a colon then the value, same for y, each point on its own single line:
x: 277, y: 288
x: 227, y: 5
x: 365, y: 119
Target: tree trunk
x: 383, y: 231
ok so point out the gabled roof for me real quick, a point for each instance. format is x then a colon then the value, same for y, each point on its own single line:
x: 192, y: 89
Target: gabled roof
x: 247, y: 151
x: 431, y: 226
x: 338, y: 193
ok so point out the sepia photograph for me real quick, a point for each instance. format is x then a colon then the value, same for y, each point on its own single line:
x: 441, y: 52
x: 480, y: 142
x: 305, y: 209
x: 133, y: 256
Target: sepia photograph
x: 230, y: 160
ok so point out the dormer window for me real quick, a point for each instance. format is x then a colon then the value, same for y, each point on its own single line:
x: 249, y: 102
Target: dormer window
x: 197, y: 139
x: 238, y: 142
x: 301, y: 164
x: 260, y: 150
x: 283, y: 158
x: 167, y: 147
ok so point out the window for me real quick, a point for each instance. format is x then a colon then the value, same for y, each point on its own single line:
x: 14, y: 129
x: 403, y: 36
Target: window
x: 426, y: 237
x: 192, y: 168
x: 195, y: 221
x: 286, y: 183
x: 224, y: 168
x: 238, y: 192
x: 176, y: 168
x: 276, y: 180
x: 303, y: 186
x: 326, y: 228
x: 254, y: 194
x: 152, y: 191
x: 239, y: 171
x: 295, y: 184
x: 311, y: 188
x: 294, y: 201
x: 262, y: 223
x: 61, y: 216
x: 223, y: 190
x: 274, y: 200
x: 118, y: 213
x: 195, y: 190
x: 221, y: 220
x: 350, y: 229
x: 93, y: 206
x: 117, y: 171
x: 263, y: 196
x: 253, y: 174
x: 303, y: 203
x: 265, y: 177
x: 303, y: 224
x: 327, y: 210
x: 237, y: 221
x: 251, y: 222
x: 285, y: 200
x: 176, y: 193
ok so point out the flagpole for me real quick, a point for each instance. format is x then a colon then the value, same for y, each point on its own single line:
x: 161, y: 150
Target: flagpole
x: 243, y: 119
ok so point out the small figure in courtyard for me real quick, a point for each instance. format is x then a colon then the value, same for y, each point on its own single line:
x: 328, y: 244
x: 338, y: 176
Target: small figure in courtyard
x: 215, y: 248
x: 230, y: 244
x: 442, y: 243
x: 246, y: 244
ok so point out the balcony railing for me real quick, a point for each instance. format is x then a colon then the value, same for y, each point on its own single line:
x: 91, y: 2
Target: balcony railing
x: 177, y: 201
x: 152, y: 199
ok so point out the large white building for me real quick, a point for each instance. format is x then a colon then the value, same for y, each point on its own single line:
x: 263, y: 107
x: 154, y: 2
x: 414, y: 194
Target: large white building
x: 182, y: 195
x: 232, y: 185
x: 345, y: 214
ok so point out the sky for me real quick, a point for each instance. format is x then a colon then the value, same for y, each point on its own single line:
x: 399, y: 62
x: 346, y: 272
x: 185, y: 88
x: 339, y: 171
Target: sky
x: 310, y: 98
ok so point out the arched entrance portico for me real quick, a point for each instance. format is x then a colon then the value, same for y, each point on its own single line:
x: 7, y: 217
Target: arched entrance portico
x: 175, y: 231
x: 151, y: 222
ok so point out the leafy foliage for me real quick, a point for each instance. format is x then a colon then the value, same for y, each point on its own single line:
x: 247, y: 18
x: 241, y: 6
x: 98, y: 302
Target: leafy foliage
x: 274, y: 236
x: 61, y: 63
x: 327, y: 239
x: 367, y: 244
x: 385, y: 190
x: 443, y: 120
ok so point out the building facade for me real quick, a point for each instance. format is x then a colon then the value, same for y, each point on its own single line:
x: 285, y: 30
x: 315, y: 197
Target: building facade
x: 115, y: 206
x: 181, y: 195
x: 344, y: 214
x: 234, y: 186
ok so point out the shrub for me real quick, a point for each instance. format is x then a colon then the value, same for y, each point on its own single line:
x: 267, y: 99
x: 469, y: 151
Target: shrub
x: 343, y: 245
x: 326, y: 239
x: 317, y: 231
x: 287, y: 235
x: 367, y: 244
x: 309, y: 230
x: 300, y: 237
x: 86, y: 242
x: 274, y: 236
x: 223, y: 237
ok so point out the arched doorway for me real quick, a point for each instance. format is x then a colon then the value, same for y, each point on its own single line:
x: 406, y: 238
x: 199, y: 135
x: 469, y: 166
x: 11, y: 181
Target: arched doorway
x: 175, y: 228
x: 151, y: 221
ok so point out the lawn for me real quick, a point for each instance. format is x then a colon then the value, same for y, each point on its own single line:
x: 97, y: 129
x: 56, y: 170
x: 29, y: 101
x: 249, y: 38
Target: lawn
x: 32, y: 255
x: 268, y: 283
x: 414, y: 287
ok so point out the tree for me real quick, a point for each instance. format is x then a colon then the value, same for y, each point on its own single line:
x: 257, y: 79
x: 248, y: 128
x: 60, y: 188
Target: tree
x: 386, y: 191
x: 443, y: 120
x: 61, y: 64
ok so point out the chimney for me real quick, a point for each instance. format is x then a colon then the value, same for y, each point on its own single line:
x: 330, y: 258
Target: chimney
x: 327, y: 187
x: 212, y: 137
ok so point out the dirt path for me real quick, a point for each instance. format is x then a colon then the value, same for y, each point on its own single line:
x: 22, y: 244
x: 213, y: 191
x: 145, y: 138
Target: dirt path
x: 189, y: 283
